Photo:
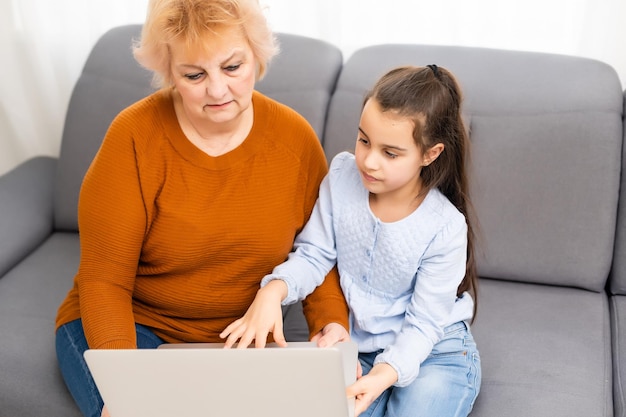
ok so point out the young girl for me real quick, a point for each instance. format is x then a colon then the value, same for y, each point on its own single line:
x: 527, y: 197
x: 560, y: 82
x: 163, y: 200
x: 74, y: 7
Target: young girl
x: 395, y: 219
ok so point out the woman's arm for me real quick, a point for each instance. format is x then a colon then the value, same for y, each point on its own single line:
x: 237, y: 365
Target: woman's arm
x: 112, y: 224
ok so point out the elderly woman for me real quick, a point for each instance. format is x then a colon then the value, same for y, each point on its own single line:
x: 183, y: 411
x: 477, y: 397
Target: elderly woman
x: 196, y: 193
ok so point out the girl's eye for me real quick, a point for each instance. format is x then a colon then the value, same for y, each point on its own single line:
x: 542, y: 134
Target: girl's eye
x: 391, y: 155
x: 364, y: 141
x: 232, y: 68
x: 193, y: 77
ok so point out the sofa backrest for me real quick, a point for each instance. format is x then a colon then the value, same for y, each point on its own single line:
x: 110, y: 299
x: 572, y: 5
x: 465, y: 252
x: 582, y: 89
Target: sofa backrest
x: 546, y: 133
x: 302, y: 76
x: 110, y: 81
x: 618, y: 274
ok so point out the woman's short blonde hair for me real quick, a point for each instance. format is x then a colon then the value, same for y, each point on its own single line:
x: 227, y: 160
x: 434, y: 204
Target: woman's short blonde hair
x: 195, y: 22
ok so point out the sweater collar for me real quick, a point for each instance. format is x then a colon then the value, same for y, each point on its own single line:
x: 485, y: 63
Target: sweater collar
x: 240, y: 155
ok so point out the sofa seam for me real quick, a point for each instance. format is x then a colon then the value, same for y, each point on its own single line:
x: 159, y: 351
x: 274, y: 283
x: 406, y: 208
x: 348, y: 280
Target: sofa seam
x: 616, y: 359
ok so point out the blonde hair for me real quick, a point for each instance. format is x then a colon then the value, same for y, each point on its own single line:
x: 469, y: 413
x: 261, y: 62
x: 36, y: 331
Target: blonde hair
x: 196, y: 23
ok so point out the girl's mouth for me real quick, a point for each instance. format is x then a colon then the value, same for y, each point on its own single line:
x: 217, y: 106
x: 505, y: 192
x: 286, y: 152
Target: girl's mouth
x: 368, y: 177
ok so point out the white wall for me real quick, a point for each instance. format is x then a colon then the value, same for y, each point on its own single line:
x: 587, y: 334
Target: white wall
x: 45, y: 43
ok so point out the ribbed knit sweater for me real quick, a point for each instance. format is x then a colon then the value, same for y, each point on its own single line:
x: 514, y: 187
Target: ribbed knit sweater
x: 177, y: 240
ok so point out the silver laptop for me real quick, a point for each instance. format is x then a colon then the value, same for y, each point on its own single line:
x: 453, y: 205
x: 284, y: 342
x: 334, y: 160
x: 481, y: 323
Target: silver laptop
x: 204, y: 380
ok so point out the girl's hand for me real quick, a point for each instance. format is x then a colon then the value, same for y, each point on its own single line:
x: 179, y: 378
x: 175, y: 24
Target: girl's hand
x: 105, y: 412
x: 369, y: 387
x: 263, y: 316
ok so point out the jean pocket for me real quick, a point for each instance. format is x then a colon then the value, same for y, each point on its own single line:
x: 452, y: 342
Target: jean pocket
x: 449, y: 346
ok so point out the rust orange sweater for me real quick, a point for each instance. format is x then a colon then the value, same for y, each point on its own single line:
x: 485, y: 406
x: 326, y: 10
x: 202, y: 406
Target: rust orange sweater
x: 178, y: 240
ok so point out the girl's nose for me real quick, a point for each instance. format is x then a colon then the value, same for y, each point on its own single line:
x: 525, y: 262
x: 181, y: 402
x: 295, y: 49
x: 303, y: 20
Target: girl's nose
x: 370, y: 161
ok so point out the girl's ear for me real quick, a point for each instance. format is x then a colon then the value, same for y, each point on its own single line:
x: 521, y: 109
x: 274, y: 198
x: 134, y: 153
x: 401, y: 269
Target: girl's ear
x: 433, y: 153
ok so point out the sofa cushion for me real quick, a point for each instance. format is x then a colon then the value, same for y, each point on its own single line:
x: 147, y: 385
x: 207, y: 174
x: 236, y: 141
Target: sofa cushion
x: 528, y: 116
x: 545, y: 351
x: 618, y: 331
x: 31, y: 384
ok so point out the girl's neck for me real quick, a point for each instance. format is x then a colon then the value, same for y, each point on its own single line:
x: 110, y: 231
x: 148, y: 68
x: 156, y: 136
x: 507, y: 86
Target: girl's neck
x: 391, y: 208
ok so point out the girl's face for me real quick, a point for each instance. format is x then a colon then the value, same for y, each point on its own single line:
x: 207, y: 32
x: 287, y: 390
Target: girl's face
x: 387, y: 157
x: 215, y: 83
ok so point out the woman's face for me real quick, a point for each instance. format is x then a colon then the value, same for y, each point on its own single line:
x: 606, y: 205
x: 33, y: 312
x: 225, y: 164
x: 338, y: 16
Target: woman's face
x: 215, y: 82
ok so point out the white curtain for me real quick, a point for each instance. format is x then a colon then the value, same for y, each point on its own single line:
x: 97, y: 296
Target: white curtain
x: 45, y: 43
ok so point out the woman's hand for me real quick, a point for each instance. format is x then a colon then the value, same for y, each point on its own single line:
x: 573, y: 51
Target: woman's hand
x: 263, y: 316
x: 369, y: 387
x: 105, y: 412
x: 331, y: 333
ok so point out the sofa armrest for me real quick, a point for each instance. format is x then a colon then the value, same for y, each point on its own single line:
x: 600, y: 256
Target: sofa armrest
x: 26, y: 209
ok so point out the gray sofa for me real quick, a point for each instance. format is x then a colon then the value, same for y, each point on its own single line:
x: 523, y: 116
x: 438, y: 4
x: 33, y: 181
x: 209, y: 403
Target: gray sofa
x: 547, y: 133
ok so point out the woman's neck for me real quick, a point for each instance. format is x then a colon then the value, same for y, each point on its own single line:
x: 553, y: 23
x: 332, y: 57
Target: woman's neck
x: 214, y: 139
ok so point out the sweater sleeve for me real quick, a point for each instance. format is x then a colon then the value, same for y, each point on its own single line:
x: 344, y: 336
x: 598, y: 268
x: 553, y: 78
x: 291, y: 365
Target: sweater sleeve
x: 112, y: 224
x: 314, y: 253
x: 311, y: 264
x: 326, y: 304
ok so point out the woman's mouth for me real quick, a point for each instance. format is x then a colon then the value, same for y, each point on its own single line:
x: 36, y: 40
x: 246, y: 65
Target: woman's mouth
x: 217, y: 106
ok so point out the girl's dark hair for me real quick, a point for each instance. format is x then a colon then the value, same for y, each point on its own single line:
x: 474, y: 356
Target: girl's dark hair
x: 431, y: 97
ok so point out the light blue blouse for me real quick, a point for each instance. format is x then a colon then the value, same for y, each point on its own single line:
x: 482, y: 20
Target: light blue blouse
x: 400, y: 279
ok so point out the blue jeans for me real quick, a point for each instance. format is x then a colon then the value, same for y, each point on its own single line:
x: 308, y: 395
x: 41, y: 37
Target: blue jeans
x: 447, y: 385
x: 70, y: 346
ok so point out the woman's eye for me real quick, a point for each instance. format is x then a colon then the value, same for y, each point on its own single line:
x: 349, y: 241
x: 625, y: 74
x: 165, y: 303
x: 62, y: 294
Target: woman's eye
x: 193, y: 77
x: 232, y: 68
x: 364, y: 141
x: 391, y: 155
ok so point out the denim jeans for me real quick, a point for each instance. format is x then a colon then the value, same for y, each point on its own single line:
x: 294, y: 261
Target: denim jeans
x: 447, y: 385
x: 70, y: 346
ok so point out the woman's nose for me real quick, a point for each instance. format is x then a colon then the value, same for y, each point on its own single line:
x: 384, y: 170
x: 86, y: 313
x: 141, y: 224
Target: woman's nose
x: 216, y: 86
